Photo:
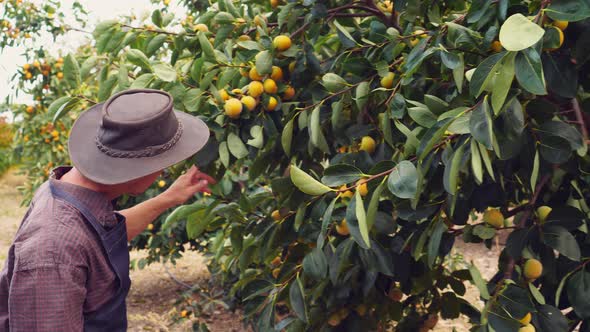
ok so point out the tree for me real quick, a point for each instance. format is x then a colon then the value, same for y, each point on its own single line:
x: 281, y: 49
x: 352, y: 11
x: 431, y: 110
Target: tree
x: 374, y: 132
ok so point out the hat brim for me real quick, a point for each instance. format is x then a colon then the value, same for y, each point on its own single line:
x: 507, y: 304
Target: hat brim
x: 102, y: 168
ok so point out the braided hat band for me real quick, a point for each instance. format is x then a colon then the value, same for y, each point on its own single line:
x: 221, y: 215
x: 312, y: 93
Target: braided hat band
x: 149, y: 151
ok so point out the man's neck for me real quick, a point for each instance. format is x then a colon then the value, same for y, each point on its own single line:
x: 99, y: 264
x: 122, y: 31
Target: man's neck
x: 76, y: 178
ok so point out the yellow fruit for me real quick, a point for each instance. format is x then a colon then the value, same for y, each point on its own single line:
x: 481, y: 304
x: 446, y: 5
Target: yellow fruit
x: 259, y: 20
x: 347, y: 194
x: 334, y: 319
x: 275, y: 272
x: 532, y: 269
x: 526, y: 319
x: 249, y: 102
x: 276, y: 215
x: 255, y: 89
x: 60, y: 75
x: 387, y: 81
x: 223, y: 94
x: 496, y: 46
x: 494, y: 217
x: 342, y: 228
x: 277, y: 73
x: 282, y: 43
x: 45, y: 73
x: 236, y: 91
x: 161, y: 183
x: 413, y: 41
x: 244, y: 38
x: 150, y: 227
x: 272, y: 104
x: 60, y: 147
x: 289, y: 93
x: 292, y: 66
x: 543, y: 212
x: 276, y: 261
x: 274, y: 3
x: 527, y: 328
x: 233, y: 108
x: 60, y: 60
x: 47, y: 140
x: 184, y: 314
x: 561, y: 25
x: 395, y: 294
x: 26, y: 66
x: 362, y: 188
x: 367, y: 144
x: 270, y: 86
x: 30, y: 109
x: 28, y: 75
x: 36, y: 64
x: 55, y: 133
x: 361, y: 309
x: 166, y: 2
x: 254, y: 76
x: 201, y: 27
x: 26, y: 138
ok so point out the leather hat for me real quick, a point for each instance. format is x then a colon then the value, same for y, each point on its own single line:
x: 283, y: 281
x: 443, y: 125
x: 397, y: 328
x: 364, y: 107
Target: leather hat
x: 134, y: 133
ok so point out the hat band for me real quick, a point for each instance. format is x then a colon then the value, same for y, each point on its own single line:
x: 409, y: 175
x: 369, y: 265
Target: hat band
x: 150, y: 151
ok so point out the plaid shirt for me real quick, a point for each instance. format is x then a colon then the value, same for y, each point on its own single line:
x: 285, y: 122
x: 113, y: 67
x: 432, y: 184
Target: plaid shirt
x: 56, y: 269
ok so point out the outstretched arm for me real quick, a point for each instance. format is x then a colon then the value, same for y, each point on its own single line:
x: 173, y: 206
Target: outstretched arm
x: 141, y: 215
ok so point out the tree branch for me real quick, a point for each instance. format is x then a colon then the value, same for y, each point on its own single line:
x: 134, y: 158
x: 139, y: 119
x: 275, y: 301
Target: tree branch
x: 580, y: 118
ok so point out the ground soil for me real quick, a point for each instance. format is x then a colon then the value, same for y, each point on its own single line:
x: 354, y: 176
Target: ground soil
x: 154, y: 292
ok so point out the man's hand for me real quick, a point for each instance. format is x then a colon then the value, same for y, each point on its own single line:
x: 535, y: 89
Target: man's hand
x: 193, y: 181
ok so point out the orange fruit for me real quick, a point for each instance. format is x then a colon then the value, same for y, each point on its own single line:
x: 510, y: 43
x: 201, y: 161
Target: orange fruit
x: 282, y: 43
x: 270, y: 86
x: 60, y: 75
x: 342, y: 228
x: 249, y: 102
x: 272, y: 104
x: 496, y: 46
x: 255, y: 89
x: 233, y: 108
x: 289, y: 93
x: 277, y: 73
x: 254, y: 76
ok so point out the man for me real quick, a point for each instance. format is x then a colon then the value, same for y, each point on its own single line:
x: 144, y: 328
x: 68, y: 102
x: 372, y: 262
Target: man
x: 68, y: 267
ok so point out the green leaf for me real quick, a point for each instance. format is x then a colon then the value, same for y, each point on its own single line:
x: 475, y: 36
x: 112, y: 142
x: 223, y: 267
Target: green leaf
x: 326, y: 219
x: 297, y: 299
x: 476, y: 164
x: 155, y: 44
x: 299, y: 215
x: 563, y: 241
x: 250, y: 45
x: 306, y: 183
x: 503, y: 81
x: 561, y: 74
x: 106, y: 87
x: 459, y: 74
x: 287, y: 137
x: 555, y: 149
x: 165, y: 72
x: 549, y: 318
x: 340, y: 174
x: 486, y: 160
x: 536, y: 293
x: 64, y: 108
x: 481, y: 124
x: 563, y: 130
x: 285, y: 13
x: 354, y: 224
x: 138, y: 58
x: 374, y: 206
x: 479, y: 282
x: 192, y: 99
x: 224, y: 154
x: 518, y: 33
x: 434, y: 243
x: 197, y: 222
x: 343, y: 31
x: 529, y: 72
x: 72, y: 70
x: 483, y: 76
x: 236, y: 146
x: 257, y: 134
x: 157, y: 17
x: 361, y: 218
x: 451, y: 176
x: 333, y: 83
x: 87, y: 66
x: 317, y: 137
x: 403, y: 180
x: 422, y: 115
x: 362, y: 93
x: 143, y: 81
x: 206, y: 47
x: 57, y: 104
x: 535, y: 172
x: 315, y: 264
x: 432, y: 136
x: 578, y: 293
x: 264, y: 63
x: 568, y: 10
x: 182, y: 212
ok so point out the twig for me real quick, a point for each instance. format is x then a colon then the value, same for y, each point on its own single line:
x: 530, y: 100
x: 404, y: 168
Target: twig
x: 176, y: 280
x: 580, y: 118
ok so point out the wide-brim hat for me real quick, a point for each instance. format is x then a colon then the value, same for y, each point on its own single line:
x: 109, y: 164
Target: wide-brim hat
x: 134, y: 133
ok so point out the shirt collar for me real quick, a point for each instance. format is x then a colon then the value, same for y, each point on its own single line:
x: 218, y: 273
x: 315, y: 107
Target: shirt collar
x: 98, y: 203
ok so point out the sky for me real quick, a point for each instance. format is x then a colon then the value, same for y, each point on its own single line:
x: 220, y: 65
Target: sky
x: 11, y: 58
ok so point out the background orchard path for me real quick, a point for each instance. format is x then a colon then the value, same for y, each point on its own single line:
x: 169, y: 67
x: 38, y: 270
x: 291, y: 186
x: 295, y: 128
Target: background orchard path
x: 153, y: 292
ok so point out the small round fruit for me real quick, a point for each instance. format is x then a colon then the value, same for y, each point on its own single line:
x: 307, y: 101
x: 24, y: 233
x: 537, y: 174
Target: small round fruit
x: 272, y: 104
x: 334, y: 319
x: 292, y: 66
x: 166, y: 2
x: 342, y: 228
x: 275, y: 272
x: 55, y: 133
x: 150, y: 227
x: 494, y: 217
x: 527, y: 328
x: 387, y: 80
x: 233, y: 108
x: 184, y: 314
x: 249, y: 102
x: 362, y: 188
x: 496, y: 46
x: 276, y: 215
x: 282, y: 43
x: 28, y: 75
x: 201, y: 27
x: 161, y: 183
x: 289, y: 93
x: 395, y: 294
x: 26, y: 66
x: 274, y: 3
x: 254, y: 76
x: 561, y: 25
x: 270, y: 86
x: 244, y: 38
x: 413, y: 41
x: 526, y: 319
x: 276, y: 261
x: 236, y: 91
x: 36, y: 64
x: 30, y: 109
x: 532, y: 269
x: 60, y: 60
x: 543, y: 213
x: 277, y: 73
x: 361, y: 309
x: 367, y: 144
x: 223, y: 94
x: 60, y: 75
x: 255, y: 89
x: 347, y: 193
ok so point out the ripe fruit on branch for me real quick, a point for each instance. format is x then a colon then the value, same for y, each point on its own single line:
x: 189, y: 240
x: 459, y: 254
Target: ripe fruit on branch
x: 272, y: 104
x: 270, y: 86
x: 527, y: 328
x: 277, y: 73
x: 249, y: 102
x: 362, y: 188
x: 282, y: 43
x: 526, y: 319
x: 387, y: 80
x: 276, y: 215
x: 223, y: 94
x: 233, y: 108
x: 289, y: 93
x: 367, y: 144
x: 254, y: 76
x: 342, y: 228
x: 496, y: 46
x: 532, y: 269
x: 255, y: 89
x: 561, y: 25
x: 543, y: 213
x: 494, y: 217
